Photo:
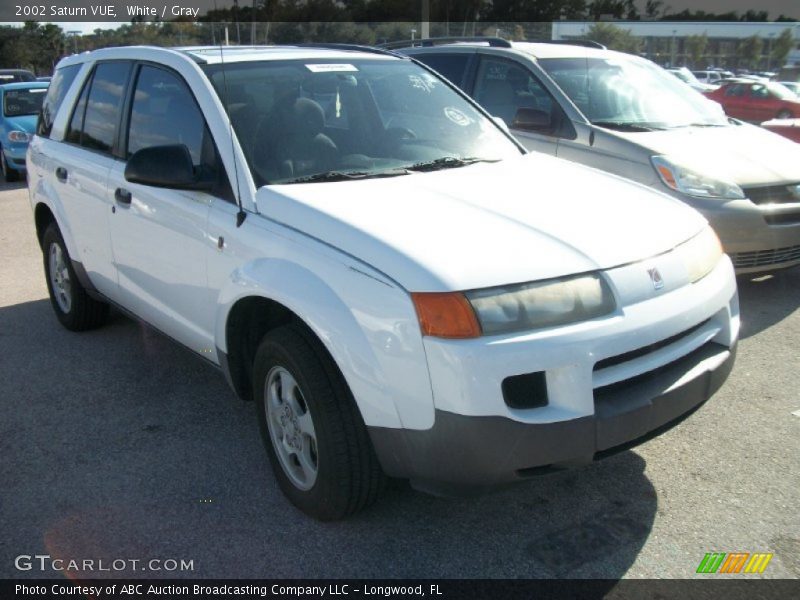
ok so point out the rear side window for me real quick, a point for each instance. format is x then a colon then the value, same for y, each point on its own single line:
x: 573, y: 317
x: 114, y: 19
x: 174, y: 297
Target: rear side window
x: 101, y: 107
x: 451, y: 66
x: 62, y: 80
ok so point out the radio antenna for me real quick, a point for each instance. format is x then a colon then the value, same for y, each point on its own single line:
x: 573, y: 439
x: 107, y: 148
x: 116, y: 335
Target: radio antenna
x: 241, y: 215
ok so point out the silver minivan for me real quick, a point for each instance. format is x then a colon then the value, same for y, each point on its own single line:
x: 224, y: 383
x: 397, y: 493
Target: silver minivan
x: 624, y: 114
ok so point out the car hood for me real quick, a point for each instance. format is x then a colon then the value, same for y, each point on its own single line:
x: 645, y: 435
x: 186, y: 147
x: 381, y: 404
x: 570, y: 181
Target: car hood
x: 745, y: 154
x: 26, y: 123
x: 523, y: 219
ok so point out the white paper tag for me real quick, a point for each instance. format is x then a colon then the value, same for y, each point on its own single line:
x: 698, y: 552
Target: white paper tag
x: 330, y: 68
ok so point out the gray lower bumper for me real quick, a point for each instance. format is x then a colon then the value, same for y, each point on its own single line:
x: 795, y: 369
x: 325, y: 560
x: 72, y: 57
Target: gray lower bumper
x: 465, y: 451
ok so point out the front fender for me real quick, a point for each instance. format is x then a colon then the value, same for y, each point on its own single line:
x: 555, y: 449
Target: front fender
x: 367, y: 325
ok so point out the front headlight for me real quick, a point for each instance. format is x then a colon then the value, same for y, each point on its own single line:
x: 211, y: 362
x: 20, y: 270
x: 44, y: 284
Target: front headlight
x: 18, y: 136
x: 692, y: 183
x: 700, y: 254
x: 541, y: 304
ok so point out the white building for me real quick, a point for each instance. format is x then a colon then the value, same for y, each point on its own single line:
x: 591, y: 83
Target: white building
x: 663, y: 41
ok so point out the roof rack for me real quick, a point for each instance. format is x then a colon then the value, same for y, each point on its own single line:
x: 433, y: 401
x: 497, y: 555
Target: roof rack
x: 584, y: 43
x: 351, y: 47
x: 494, y: 42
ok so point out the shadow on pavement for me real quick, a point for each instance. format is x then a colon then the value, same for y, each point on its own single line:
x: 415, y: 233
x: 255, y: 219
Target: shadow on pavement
x: 768, y: 299
x: 118, y: 444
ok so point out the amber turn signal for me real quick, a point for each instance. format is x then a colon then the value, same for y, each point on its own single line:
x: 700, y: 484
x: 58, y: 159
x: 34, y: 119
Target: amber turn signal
x: 446, y: 315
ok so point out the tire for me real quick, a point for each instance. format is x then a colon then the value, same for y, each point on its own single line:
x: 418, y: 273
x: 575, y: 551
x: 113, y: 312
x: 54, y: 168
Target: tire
x: 9, y: 174
x: 784, y: 114
x: 306, y: 409
x: 75, y: 309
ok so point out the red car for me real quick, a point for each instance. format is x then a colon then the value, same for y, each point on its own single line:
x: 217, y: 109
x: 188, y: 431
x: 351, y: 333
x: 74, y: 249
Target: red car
x: 756, y: 101
x: 789, y: 128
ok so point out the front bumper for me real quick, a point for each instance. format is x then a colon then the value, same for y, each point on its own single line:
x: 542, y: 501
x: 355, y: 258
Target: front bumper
x: 757, y: 237
x: 610, y: 383
x: 15, y: 157
x: 472, y: 451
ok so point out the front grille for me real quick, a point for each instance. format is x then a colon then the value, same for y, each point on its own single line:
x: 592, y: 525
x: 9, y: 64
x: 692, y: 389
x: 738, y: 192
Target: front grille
x: 792, y: 218
x: 773, y: 194
x: 644, y: 350
x: 764, y: 258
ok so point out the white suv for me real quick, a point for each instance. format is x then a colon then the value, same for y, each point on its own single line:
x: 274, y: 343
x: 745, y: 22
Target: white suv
x: 373, y: 260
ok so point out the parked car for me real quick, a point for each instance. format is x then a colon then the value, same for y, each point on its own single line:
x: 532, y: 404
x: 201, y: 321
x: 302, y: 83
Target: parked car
x: 788, y: 128
x: 15, y: 76
x: 686, y: 76
x: 709, y: 77
x: 792, y: 86
x: 757, y: 101
x: 20, y: 103
x: 624, y: 114
x: 369, y: 256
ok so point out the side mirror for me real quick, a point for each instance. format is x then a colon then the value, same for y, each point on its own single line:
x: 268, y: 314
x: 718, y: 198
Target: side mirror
x: 532, y: 119
x: 164, y: 166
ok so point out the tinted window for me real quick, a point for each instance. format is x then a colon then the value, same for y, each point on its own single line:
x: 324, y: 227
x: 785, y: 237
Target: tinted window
x: 60, y: 84
x: 452, y: 66
x: 103, y: 105
x: 17, y: 103
x: 16, y: 76
x: 164, y: 112
x: 734, y: 90
x: 503, y: 87
x: 73, y: 134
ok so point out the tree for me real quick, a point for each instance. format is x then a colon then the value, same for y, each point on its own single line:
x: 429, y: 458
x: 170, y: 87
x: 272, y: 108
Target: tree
x: 696, y: 48
x: 653, y: 9
x: 781, y: 47
x: 615, y: 38
x: 749, y: 51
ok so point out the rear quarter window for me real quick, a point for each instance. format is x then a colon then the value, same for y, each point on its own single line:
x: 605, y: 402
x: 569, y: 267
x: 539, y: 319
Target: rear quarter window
x: 59, y: 86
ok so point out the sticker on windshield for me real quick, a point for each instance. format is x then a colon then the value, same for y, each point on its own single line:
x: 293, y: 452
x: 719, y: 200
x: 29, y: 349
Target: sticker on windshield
x: 456, y: 116
x: 330, y: 68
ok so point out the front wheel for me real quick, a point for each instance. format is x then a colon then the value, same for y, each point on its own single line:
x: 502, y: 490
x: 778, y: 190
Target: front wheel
x: 317, y: 443
x: 75, y: 309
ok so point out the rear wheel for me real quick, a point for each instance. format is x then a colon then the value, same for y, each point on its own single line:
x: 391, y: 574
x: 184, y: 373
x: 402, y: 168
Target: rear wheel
x: 75, y: 309
x: 9, y: 174
x: 784, y: 114
x: 317, y: 443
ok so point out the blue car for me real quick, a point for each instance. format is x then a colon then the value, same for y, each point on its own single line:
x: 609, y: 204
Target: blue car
x: 20, y: 103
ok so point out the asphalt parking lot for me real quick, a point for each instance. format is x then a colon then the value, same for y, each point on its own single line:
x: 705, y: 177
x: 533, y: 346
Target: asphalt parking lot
x: 119, y: 444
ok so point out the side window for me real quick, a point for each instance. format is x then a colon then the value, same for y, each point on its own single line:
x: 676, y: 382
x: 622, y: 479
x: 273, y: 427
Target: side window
x: 73, y: 135
x: 759, y: 91
x: 734, y: 90
x: 503, y: 87
x: 451, y: 66
x: 62, y: 80
x: 164, y: 112
x: 94, y: 120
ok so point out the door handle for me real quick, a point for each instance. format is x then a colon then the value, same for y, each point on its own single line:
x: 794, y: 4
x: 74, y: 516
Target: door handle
x: 61, y: 174
x: 122, y: 196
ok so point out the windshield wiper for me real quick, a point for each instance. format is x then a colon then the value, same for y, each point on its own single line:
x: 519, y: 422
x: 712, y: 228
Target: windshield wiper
x: 623, y: 126
x: 345, y: 176
x: 448, y: 162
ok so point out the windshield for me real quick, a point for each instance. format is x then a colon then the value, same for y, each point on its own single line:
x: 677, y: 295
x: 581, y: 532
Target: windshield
x: 315, y: 120
x: 17, y: 103
x: 630, y: 92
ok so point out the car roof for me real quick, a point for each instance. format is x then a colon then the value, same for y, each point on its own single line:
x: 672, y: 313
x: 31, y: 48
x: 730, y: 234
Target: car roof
x: 219, y: 54
x: 561, y: 49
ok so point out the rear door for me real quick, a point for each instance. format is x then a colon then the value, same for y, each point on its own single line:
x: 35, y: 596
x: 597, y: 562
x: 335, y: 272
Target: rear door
x: 159, y: 234
x: 80, y: 166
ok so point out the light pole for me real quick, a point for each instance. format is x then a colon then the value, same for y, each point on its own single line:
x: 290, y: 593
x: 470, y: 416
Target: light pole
x: 769, y: 51
x: 74, y: 33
